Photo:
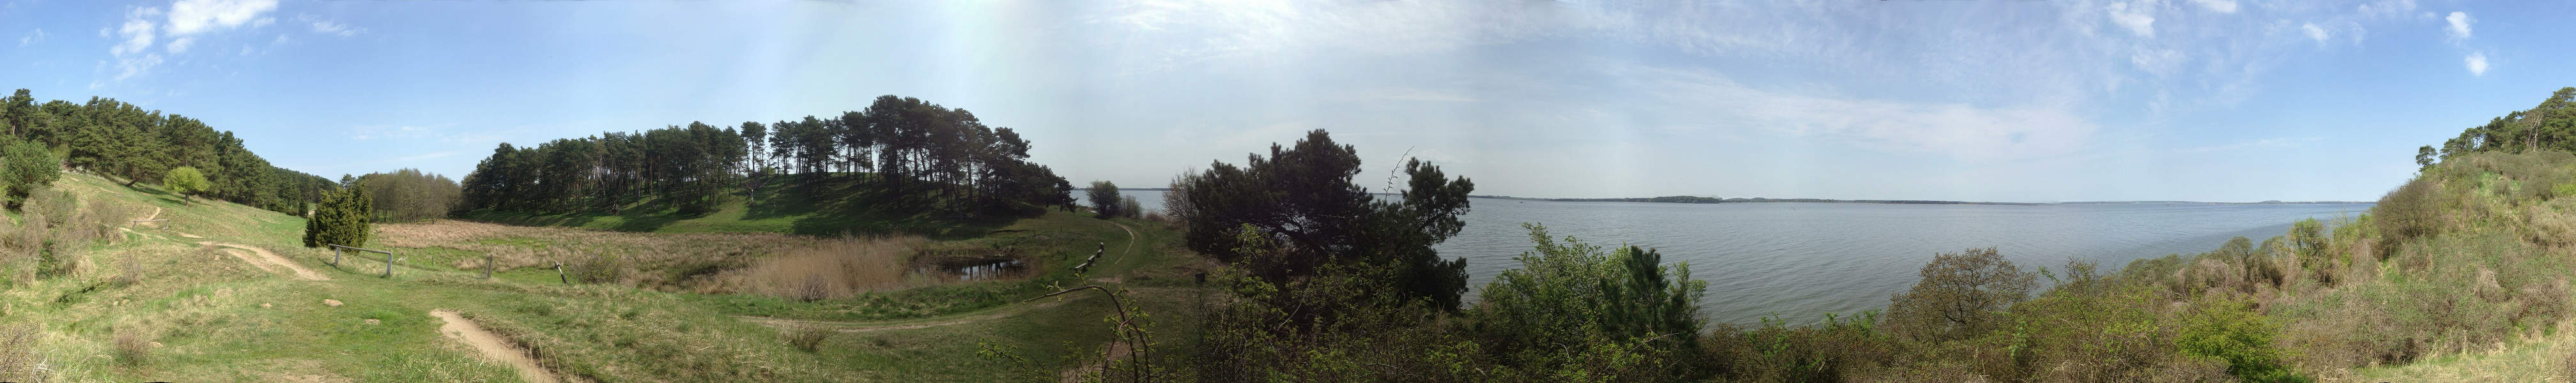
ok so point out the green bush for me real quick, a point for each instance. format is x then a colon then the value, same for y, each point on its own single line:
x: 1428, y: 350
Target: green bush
x: 1570, y: 296
x: 2406, y: 213
x: 2230, y: 330
x: 25, y: 167
x: 1960, y: 296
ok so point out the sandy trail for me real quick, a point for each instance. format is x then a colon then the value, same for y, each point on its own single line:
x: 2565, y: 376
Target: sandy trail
x: 272, y: 258
x: 183, y: 234
x: 246, y: 258
x: 864, y: 327
x: 492, y: 346
x: 1123, y: 255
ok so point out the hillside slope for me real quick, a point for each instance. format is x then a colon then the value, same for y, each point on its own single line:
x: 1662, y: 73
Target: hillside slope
x: 156, y: 304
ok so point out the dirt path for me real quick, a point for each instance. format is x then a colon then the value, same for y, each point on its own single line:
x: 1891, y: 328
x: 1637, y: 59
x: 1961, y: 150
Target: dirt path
x: 492, y: 346
x: 880, y: 326
x: 1130, y: 252
x: 272, y: 258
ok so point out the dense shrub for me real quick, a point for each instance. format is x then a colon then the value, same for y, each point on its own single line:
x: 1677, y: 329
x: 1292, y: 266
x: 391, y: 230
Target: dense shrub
x: 2230, y: 330
x: 1260, y: 336
x: 1569, y: 297
x: 596, y: 267
x: 25, y: 167
x: 343, y: 219
x: 1961, y: 295
x: 2405, y: 213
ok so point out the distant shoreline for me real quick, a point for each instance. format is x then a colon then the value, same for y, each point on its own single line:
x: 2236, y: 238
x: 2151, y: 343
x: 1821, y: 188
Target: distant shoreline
x: 1704, y: 200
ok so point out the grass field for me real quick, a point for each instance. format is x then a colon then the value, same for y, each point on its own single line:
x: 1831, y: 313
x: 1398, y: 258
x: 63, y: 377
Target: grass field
x: 196, y: 313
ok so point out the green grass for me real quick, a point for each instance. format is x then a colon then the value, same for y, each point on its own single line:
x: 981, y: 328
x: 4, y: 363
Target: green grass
x: 206, y: 309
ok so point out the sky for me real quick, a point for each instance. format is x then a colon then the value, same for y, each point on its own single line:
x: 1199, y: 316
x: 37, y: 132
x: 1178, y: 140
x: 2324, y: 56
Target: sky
x: 2030, y: 101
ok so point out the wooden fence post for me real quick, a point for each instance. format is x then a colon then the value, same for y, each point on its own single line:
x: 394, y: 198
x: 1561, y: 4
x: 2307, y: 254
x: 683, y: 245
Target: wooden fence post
x: 487, y: 266
x: 335, y: 256
x: 389, y: 265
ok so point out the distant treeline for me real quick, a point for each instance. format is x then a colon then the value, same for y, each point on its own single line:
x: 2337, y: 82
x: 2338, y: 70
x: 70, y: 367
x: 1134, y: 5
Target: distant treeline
x: 1664, y: 199
x: 898, y: 144
x: 114, y: 138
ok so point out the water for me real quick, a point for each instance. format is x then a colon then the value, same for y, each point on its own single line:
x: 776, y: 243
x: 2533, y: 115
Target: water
x: 1802, y: 260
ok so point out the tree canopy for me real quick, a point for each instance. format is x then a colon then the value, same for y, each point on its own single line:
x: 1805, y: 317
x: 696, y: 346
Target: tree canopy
x: 2550, y: 125
x: 1302, y: 196
x: 113, y: 138
x: 898, y: 144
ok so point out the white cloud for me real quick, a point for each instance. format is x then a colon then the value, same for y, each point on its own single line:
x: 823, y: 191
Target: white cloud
x: 2477, y: 63
x: 194, y: 16
x: 138, y: 31
x: 129, y: 67
x: 2459, y: 28
x: 183, y: 24
x: 329, y: 27
x: 2220, y: 6
x: 33, y: 37
x: 2138, y: 17
x: 2386, y: 8
x: 2314, y: 32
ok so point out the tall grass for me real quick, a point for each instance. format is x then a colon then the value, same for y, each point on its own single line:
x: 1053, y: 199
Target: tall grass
x: 831, y: 269
x: 18, y: 356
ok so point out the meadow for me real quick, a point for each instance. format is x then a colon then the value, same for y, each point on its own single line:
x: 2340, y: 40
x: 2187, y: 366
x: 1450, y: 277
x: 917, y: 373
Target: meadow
x: 150, y: 302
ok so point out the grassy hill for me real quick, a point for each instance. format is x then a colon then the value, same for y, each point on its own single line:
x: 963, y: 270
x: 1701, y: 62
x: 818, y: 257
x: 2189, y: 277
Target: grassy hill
x: 2463, y: 273
x: 155, y: 304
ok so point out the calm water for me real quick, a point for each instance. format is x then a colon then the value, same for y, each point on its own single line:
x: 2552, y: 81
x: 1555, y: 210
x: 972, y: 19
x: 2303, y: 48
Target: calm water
x: 1802, y: 260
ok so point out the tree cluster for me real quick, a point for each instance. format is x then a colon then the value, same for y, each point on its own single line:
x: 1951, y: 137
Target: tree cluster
x: 897, y: 144
x: 410, y: 195
x: 114, y: 138
x: 1303, y: 197
x: 2550, y: 125
x: 1105, y: 201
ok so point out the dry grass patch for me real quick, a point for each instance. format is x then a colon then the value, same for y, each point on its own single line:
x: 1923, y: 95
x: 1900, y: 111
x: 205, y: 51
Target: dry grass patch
x: 833, y: 269
x: 792, y: 266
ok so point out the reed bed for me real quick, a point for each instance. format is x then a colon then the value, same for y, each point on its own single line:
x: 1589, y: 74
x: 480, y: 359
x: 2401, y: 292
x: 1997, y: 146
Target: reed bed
x: 790, y: 266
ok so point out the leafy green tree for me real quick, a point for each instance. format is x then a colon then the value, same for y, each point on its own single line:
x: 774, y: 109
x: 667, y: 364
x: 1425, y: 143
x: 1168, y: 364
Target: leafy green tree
x: 186, y: 181
x: 1961, y: 295
x: 342, y: 218
x: 2424, y: 156
x: 29, y: 167
x: 1104, y: 199
x: 1304, y: 196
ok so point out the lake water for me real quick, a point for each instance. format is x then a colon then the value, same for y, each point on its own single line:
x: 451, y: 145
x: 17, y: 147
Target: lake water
x: 1802, y: 260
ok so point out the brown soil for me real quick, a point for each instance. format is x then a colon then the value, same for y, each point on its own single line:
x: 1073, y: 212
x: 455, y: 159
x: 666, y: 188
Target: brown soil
x: 492, y: 346
x: 273, y: 259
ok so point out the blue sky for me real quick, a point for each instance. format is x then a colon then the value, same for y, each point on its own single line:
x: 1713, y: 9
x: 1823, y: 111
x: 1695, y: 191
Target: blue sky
x: 1987, y: 100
